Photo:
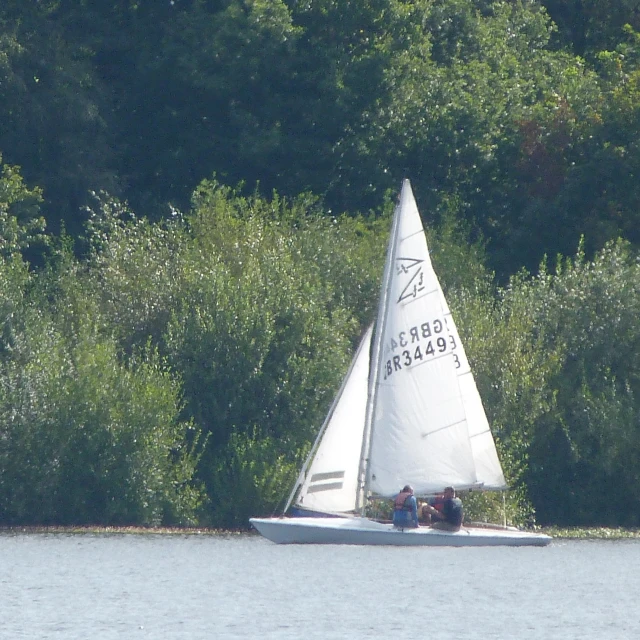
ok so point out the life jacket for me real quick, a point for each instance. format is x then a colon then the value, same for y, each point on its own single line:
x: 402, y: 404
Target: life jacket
x: 437, y: 502
x: 401, y: 502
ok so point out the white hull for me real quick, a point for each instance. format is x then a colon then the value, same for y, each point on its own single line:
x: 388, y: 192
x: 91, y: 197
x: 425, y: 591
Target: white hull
x: 368, y: 532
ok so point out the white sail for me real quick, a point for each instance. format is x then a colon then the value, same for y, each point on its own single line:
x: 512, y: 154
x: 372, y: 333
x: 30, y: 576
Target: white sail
x: 488, y: 468
x: 420, y: 430
x: 329, y: 479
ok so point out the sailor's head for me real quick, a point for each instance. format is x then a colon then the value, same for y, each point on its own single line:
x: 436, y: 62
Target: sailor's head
x: 407, y: 489
x: 449, y: 492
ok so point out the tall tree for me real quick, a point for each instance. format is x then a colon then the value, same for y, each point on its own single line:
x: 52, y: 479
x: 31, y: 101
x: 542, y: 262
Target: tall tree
x: 590, y: 26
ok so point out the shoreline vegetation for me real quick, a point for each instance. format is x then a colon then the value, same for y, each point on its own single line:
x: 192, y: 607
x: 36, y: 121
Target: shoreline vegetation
x: 177, y: 311
x: 112, y: 530
x: 557, y: 533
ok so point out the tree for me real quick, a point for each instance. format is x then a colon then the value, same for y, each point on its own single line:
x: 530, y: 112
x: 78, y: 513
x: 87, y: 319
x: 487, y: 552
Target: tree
x: 264, y: 332
x: 52, y: 111
x: 21, y: 226
x: 256, y: 303
x: 87, y: 439
x: 591, y: 26
x: 583, y: 442
x: 87, y: 435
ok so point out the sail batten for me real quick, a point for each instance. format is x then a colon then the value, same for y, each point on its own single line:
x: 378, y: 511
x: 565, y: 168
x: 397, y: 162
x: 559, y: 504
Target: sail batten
x: 442, y: 428
x: 330, y: 475
x: 336, y: 452
x: 333, y: 486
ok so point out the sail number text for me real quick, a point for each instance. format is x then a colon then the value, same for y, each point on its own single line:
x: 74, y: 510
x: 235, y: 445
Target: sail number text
x: 421, y: 342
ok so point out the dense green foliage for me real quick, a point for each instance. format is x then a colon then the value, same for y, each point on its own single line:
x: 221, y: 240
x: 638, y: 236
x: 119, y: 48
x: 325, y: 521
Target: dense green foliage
x: 170, y: 341
x: 483, y: 103
x: 231, y: 326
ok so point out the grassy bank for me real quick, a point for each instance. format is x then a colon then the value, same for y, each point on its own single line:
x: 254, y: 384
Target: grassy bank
x: 570, y: 533
x: 592, y: 533
x: 121, y: 530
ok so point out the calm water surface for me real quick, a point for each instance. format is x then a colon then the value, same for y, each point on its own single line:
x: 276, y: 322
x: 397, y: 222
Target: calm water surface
x: 63, y: 587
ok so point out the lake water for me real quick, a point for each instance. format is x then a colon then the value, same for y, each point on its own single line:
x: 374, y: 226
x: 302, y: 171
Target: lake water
x: 170, y: 587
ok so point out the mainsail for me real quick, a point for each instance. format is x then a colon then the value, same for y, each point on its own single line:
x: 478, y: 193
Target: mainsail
x: 427, y: 425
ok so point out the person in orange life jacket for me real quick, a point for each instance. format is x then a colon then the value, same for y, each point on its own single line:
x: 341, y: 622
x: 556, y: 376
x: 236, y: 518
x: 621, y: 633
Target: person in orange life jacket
x: 405, y: 509
x: 450, y: 519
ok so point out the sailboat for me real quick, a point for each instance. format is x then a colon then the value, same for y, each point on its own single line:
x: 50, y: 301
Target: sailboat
x: 408, y: 412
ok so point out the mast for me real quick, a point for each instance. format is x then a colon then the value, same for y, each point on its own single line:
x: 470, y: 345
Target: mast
x: 363, y: 470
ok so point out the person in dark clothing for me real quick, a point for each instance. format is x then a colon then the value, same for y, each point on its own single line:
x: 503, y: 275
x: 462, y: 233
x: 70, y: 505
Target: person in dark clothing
x: 450, y: 518
x: 405, y: 509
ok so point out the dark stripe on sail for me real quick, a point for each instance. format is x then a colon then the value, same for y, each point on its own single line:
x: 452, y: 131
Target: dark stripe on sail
x: 325, y: 487
x: 328, y: 475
